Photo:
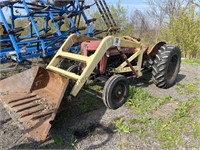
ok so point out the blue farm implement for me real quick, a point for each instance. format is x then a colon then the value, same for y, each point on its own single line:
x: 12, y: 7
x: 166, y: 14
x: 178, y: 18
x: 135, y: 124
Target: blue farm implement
x: 38, y: 29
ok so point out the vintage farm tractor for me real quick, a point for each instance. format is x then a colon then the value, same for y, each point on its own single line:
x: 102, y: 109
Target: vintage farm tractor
x: 33, y: 97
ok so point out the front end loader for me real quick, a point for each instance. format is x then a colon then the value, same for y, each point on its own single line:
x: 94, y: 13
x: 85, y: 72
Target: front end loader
x: 33, y: 97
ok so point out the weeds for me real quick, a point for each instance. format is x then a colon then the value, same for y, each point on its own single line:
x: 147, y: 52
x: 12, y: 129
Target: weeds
x: 64, y: 115
x: 89, y: 103
x: 122, y: 127
x: 196, y: 109
x: 140, y: 125
x: 119, y: 147
x: 3, y: 75
x: 170, y: 131
x: 144, y: 120
x: 191, y: 61
x: 196, y: 127
x: 58, y: 140
x: 187, y: 88
x: 73, y: 142
x: 141, y: 101
x: 93, y: 87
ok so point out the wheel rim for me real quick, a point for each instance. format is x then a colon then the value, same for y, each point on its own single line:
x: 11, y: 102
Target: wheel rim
x: 172, y: 67
x: 118, y: 92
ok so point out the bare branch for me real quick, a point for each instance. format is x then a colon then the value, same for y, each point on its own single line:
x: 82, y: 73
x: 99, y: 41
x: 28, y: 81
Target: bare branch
x: 195, y: 2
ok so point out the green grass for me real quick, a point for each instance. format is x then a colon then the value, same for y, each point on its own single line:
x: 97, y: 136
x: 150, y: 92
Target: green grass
x: 196, y: 112
x: 64, y: 115
x: 196, y: 109
x: 122, y: 127
x: 140, y: 125
x: 196, y: 127
x: 93, y: 87
x: 119, y: 147
x: 3, y: 75
x: 141, y: 101
x: 191, y: 61
x: 85, y: 104
x: 58, y: 140
x: 10, y: 73
x: 170, y: 131
x: 73, y: 143
x: 144, y: 120
x: 187, y: 88
x: 89, y: 103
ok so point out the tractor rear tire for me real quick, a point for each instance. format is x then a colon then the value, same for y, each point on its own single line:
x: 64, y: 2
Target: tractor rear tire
x: 115, y: 92
x: 166, y: 66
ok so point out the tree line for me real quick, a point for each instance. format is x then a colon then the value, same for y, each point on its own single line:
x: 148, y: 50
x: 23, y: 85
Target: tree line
x: 174, y: 21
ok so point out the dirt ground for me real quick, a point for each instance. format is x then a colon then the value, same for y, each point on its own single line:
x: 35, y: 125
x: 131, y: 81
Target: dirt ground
x: 89, y: 125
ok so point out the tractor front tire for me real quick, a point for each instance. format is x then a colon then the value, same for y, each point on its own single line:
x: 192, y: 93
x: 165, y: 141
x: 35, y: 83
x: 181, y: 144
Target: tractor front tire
x: 115, y: 92
x: 166, y: 66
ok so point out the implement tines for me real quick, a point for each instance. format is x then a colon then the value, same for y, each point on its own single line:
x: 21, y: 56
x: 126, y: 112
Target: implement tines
x: 107, y: 16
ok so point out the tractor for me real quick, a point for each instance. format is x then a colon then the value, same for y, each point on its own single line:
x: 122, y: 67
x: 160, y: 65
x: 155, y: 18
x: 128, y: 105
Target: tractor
x: 33, y: 97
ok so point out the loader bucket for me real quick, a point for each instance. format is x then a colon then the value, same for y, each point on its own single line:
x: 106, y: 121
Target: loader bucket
x: 32, y: 99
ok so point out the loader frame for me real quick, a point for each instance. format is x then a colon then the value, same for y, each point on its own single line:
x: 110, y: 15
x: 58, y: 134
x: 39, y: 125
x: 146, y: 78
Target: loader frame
x: 94, y: 59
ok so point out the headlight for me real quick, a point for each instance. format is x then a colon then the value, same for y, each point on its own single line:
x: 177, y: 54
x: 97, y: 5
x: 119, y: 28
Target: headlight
x: 107, y: 54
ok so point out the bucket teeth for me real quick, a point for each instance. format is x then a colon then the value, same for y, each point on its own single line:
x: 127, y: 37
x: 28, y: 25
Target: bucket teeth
x: 42, y: 115
x: 23, y: 102
x: 26, y: 107
x: 31, y: 111
x: 19, y: 99
x: 31, y: 105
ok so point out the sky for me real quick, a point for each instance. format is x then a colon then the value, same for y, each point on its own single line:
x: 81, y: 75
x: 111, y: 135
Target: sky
x: 129, y: 4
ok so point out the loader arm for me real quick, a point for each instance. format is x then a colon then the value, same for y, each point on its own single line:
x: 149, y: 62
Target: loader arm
x: 91, y: 61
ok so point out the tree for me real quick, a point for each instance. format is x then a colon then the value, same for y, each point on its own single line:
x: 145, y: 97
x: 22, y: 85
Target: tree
x: 195, y: 2
x: 141, y: 24
x: 177, y: 22
x: 119, y: 14
x: 162, y: 10
x: 184, y: 31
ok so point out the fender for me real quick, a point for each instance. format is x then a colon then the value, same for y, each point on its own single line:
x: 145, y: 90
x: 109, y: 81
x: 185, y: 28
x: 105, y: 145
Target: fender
x: 153, y: 51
